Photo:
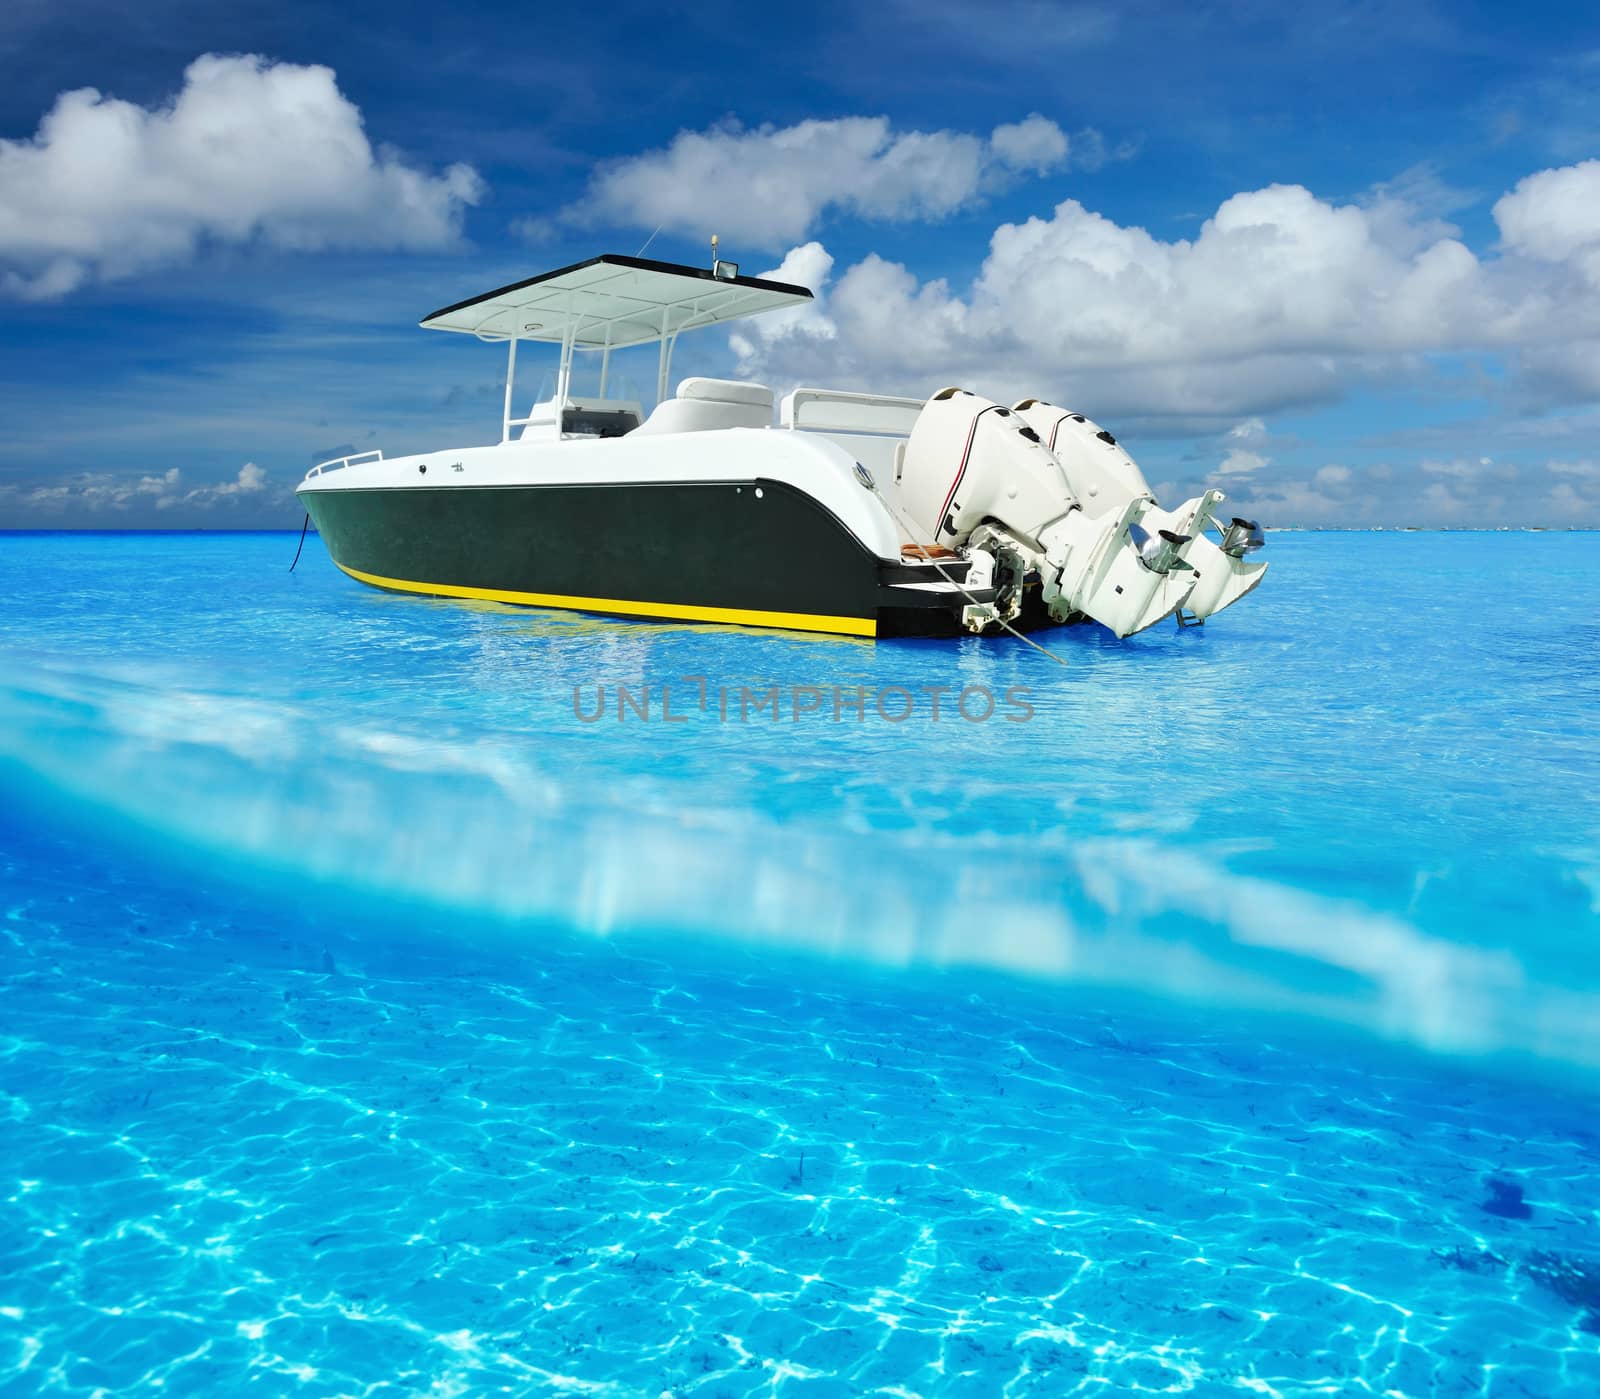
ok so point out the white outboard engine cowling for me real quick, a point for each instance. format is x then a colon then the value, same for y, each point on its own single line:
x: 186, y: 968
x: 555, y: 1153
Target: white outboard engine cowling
x: 1097, y: 467
x: 970, y: 460
x: 1105, y: 480
x: 977, y: 477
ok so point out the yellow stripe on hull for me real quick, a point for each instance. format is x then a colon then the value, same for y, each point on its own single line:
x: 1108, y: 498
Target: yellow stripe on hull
x: 666, y: 611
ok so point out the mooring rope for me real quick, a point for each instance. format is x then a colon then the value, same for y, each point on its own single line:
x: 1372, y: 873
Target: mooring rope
x: 303, y: 529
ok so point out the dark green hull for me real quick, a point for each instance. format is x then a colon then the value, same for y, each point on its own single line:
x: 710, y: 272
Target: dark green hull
x: 698, y: 551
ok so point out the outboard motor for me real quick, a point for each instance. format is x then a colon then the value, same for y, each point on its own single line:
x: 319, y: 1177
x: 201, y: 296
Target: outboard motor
x: 977, y: 477
x: 971, y: 460
x: 1098, y: 468
x: 1105, y: 479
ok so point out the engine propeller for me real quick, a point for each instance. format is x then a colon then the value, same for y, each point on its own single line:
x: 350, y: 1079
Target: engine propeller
x: 1242, y: 537
x: 1158, y: 552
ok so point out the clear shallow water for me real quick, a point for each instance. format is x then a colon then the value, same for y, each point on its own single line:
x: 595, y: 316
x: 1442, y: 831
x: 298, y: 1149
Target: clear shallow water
x: 315, y: 1065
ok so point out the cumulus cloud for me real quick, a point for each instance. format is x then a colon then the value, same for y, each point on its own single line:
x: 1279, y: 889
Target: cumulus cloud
x: 248, y: 150
x: 810, y: 266
x: 1554, y: 216
x: 1282, y: 299
x: 1244, y: 443
x: 1035, y: 144
x: 770, y: 185
x: 251, y: 480
x: 111, y: 493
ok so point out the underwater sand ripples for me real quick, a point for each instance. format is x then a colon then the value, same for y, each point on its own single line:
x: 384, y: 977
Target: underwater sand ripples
x: 375, y: 1168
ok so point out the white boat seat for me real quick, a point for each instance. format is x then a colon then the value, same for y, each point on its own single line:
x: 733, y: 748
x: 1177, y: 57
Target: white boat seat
x: 706, y: 405
x: 726, y: 391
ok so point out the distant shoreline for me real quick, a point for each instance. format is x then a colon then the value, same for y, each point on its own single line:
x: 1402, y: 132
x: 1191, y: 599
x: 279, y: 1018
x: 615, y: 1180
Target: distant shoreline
x: 1269, y: 529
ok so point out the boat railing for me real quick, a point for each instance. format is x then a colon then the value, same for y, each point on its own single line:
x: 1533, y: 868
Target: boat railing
x: 338, y: 463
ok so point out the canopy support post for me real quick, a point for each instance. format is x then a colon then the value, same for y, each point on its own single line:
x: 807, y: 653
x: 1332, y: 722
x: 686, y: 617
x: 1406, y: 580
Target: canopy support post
x: 665, y: 359
x: 511, y: 374
x: 564, y: 375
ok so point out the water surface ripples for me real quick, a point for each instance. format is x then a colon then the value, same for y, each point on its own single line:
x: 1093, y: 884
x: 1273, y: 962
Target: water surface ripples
x: 374, y: 1025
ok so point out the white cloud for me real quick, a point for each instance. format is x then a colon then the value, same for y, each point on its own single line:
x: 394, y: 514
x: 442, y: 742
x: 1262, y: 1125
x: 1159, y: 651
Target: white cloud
x: 1282, y: 299
x: 1034, y: 144
x: 248, y: 150
x: 1585, y: 470
x: 1244, y: 442
x: 769, y: 185
x: 107, y: 492
x: 1409, y: 212
x: 1570, y: 506
x: 1463, y: 492
x: 1241, y: 463
x: 811, y: 266
x: 1566, y: 371
x: 1554, y: 216
x: 1470, y: 468
x: 251, y: 480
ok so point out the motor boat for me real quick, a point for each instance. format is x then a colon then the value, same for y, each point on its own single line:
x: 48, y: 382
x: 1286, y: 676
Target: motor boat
x: 853, y: 513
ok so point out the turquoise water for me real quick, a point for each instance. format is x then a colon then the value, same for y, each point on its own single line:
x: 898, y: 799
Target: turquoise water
x: 376, y: 1022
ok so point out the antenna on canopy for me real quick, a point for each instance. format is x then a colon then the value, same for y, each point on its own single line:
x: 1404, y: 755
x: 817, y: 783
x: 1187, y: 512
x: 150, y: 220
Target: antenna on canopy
x: 722, y: 271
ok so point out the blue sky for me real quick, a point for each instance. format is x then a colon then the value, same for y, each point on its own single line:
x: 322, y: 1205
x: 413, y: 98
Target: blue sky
x: 1342, y: 260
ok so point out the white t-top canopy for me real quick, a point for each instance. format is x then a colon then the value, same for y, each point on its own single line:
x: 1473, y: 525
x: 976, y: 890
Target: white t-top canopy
x: 613, y: 301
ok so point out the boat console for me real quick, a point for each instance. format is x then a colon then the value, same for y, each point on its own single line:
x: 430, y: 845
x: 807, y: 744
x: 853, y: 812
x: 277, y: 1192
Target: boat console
x: 580, y: 417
